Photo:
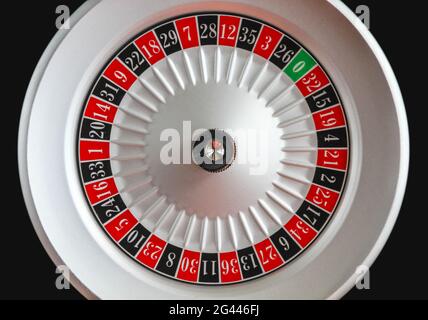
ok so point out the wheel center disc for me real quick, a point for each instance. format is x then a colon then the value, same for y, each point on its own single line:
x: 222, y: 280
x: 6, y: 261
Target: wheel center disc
x: 249, y: 131
x: 214, y: 151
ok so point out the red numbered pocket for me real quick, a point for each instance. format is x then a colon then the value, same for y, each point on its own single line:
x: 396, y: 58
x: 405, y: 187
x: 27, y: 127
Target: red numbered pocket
x: 268, y: 40
x: 101, y: 190
x: 329, y: 118
x: 333, y: 158
x: 324, y: 198
x: 120, y: 75
x: 300, y: 231
x: 313, y: 81
x: 94, y: 150
x: 100, y: 110
x: 229, y: 267
x: 121, y: 225
x: 188, y: 269
x: 188, y: 32
x: 229, y: 28
x: 150, y: 47
x: 152, y: 251
x: 268, y: 255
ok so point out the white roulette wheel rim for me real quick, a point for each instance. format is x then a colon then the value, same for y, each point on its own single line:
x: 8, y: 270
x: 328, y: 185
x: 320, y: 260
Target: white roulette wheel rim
x: 101, y: 269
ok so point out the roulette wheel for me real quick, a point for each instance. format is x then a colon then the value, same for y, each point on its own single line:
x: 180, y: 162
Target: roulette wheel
x: 213, y: 150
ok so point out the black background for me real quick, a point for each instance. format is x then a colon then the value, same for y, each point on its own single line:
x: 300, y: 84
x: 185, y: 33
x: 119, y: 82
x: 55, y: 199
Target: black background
x: 26, y: 272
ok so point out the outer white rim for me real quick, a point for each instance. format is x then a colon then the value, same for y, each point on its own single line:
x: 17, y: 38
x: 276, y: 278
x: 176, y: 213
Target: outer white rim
x: 22, y: 144
x: 401, y: 119
x: 405, y: 145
